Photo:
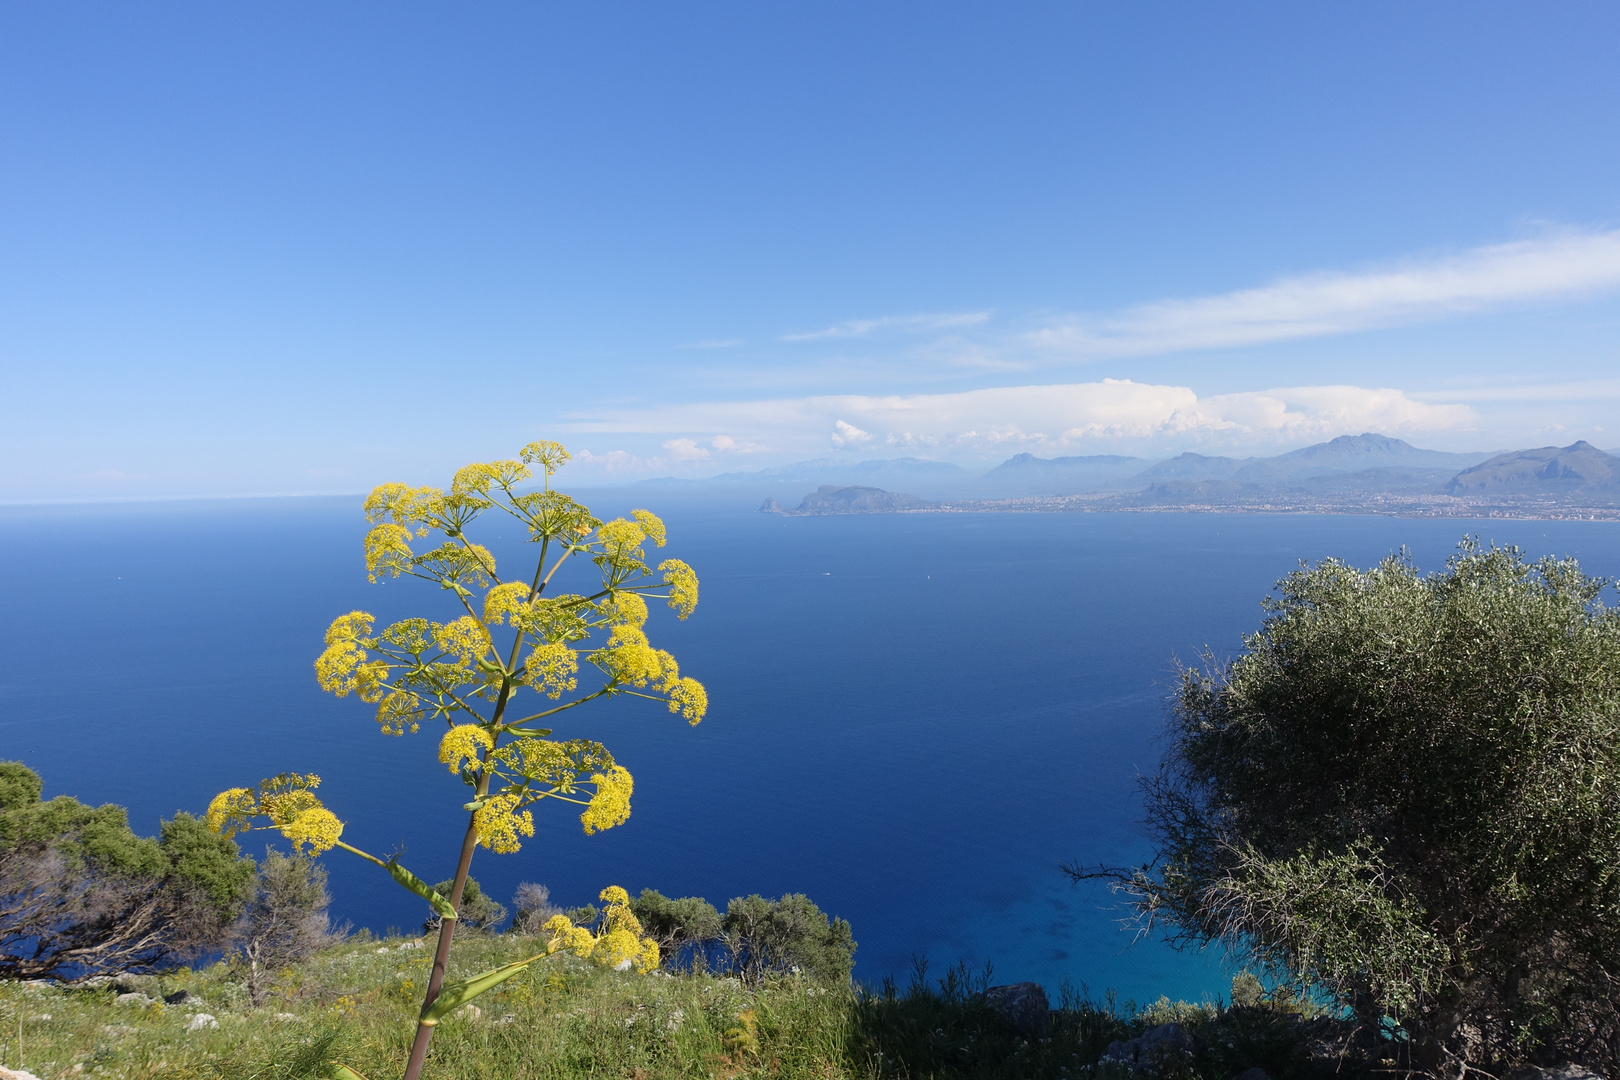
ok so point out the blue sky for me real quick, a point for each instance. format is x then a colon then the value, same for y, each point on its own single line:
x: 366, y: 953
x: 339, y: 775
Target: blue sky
x: 306, y: 247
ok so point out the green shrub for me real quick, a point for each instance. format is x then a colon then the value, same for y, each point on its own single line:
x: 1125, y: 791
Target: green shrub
x: 477, y: 910
x: 685, y: 928
x: 1406, y: 796
x: 81, y: 894
x: 787, y: 935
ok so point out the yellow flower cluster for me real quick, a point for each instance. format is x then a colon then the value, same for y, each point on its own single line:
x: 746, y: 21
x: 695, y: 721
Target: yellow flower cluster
x: 288, y: 802
x: 499, y: 821
x: 504, y: 602
x: 624, y: 609
x: 388, y: 550
x: 551, y: 669
x: 683, y: 586
x: 458, y: 564
x: 629, y: 658
x: 402, y: 504
x: 548, y: 454
x: 399, y: 712
x: 651, y: 525
x: 610, y: 805
x: 465, y: 639
x: 462, y: 743
x: 227, y: 813
x: 317, y: 827
x: 617, y: 945
x: 688, y: 697
x: 336, y: 667
x: 557, y: 764
x: 477, y: 477
x: 621, y: 540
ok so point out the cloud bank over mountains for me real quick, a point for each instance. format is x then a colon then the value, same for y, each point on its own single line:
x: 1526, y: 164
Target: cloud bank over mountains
x: 1111, y: 415
x: 1122, y: 415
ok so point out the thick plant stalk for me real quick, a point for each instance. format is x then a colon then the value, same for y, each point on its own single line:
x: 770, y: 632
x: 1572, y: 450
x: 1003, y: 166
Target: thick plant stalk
x: 441, y: 957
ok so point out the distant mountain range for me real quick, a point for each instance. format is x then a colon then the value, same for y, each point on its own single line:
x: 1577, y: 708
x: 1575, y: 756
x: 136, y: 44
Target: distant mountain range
x: 1352, y: 472
x: 1580, y: 469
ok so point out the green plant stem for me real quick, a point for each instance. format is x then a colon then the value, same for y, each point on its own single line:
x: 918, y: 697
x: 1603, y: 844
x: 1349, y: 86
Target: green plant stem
x: 441, y: 957
x: 469, y: 844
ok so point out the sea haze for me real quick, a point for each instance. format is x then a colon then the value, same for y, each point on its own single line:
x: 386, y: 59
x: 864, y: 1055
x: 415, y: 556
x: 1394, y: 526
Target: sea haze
x: 914, y: 718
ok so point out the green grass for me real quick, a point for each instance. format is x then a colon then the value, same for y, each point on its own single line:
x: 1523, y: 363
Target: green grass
x: 355, y: 1003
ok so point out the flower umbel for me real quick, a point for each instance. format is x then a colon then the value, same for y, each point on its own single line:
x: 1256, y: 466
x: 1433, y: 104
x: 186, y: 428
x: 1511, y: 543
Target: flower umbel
x: 288, y: 802
x: 610, y: 805
x: 462, y: 744
x: 618, y: 944
x: 498, y: 823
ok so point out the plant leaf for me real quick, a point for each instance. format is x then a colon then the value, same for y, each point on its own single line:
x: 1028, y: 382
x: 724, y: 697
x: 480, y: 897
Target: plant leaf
x: 420, y: 888
x: 456, y: 994
x: 334, y: 1071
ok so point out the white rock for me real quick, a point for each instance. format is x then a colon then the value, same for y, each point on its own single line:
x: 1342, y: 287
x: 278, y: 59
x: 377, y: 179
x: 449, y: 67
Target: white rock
x: 200, y: 1021
x: 282, y: 1018
x: 384, y: 951
x: 138, y: 1000
x: 469, y: 1012
x: 16, y: 1074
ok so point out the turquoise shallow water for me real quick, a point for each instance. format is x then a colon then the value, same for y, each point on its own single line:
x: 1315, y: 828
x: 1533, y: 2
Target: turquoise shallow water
x: 914, y: 718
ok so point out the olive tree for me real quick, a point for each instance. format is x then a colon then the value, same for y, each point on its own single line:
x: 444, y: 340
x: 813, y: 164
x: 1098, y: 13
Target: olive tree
x: 1405, y: 795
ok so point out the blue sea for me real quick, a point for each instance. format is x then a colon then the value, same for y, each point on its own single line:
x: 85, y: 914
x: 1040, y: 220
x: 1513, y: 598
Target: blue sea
x: 914, y: 719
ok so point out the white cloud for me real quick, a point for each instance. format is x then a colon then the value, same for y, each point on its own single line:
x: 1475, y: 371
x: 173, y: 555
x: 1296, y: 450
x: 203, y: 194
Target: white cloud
x: 680, y: 455
x: 1066, y: 418
x: 913, y: 323
x: 1564, y: 264
x: 846, y: 434
x: 685, y: 450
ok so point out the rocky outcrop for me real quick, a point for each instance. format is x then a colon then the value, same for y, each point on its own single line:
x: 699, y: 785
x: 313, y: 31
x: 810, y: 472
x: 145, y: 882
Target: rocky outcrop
x: 1154, y: 1050
x: 850, y: 500
x: 1024, y: 1005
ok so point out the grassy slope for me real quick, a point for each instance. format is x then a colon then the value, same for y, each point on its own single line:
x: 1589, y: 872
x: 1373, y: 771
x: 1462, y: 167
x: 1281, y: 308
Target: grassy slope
x: 354, y: 1003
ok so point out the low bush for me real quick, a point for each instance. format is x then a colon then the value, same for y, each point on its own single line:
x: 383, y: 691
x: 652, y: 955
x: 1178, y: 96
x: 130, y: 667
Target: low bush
x: 82, y: 894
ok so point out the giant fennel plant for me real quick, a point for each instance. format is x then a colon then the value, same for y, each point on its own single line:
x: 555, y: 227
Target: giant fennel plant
x: 508, y: 661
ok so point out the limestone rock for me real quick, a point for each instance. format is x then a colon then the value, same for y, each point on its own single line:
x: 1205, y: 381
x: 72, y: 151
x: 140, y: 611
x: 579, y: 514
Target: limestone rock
x: 1025, y: 1005
x: 1152, y: 1050
x: 136, y: 1000
x: 16, y: 1074
x: 1564, y: 1072
x: 200, y: 1021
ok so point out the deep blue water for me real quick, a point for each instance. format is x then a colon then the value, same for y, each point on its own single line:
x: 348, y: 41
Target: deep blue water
x: 914, y: 719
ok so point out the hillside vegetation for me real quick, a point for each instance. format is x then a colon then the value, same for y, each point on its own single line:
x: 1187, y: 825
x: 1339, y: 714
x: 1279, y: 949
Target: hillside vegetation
x: 355, y: 1002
